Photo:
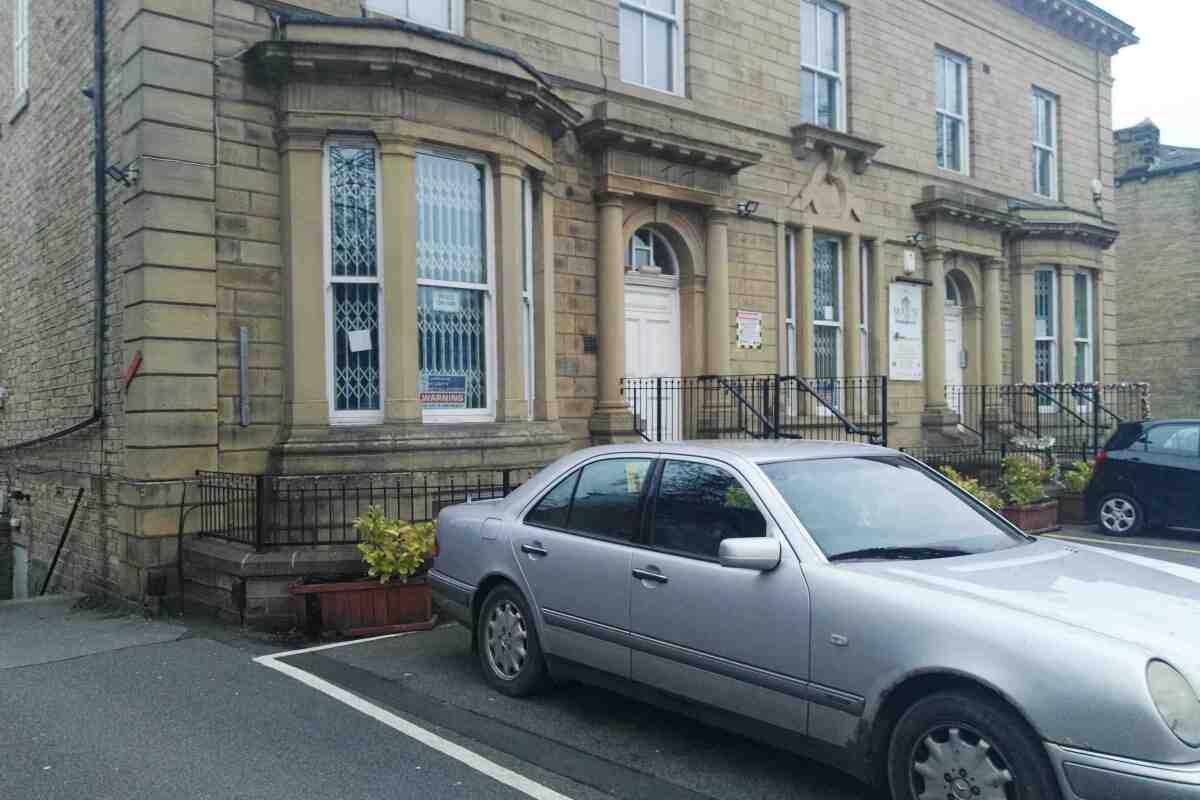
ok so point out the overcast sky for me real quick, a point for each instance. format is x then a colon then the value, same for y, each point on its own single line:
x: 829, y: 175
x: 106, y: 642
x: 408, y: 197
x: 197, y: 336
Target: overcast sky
x: 1159, y: 77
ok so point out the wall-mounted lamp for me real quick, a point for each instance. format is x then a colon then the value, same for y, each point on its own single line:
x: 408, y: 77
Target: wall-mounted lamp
x: 747, y: 208
x: 918, y: 237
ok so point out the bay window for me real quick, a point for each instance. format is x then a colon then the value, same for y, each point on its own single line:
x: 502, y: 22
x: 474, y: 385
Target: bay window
x: 1084, y: 362
x: 822, y: 60
x: 952, y: 119
x: 444, y: 15
x: 1045, y: 145
x: 652, y: 44
x: 455, y: 288
x: 353, y: 282
x: 1045, y: 323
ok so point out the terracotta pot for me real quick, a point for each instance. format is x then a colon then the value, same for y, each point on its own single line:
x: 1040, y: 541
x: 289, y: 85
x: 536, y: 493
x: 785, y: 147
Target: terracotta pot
x: 1037, y: 518
x: 366, y: 608
x: 1072, y: 509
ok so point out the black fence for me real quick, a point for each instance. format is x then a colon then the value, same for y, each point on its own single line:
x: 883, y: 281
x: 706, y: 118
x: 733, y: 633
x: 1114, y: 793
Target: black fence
x: 1078, y: 417
x: 758, y: 407
x: 308, y: 510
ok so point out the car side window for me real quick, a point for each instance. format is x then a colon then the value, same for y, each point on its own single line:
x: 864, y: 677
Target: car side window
x: 608, y: 498
x: 555, y: 506
x: 698, y: 506
x: 1175, y: 440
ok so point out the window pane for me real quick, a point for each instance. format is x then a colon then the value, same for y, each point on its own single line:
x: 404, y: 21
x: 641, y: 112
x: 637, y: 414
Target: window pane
x: 663, y: 258
x: 1174, y: 439
x: 827, y: 22
x: 430, y: 12
x: 808, y: 33
x: 954, y: 87
x: 659, y: 57
x: 1043, y: 302
x: 1043, y: 164
x: 826, y: 347
x: 1083, y: 321
x: 451, y: 235
x: 808, y: 97
x: 1044, y: 361
x: 632, y: 63
x: 953, y: 144
x: 1083, y: 362
x: 354, y: 247
x: 356, y: 372
x: 552, y: 511
x: 608, y: 497
x: 698, y: 506
x: 826, y: 280
x: 665, y: 6
x: 452, y: 348
x: 827, y: 102
x: 941, y: 69
x: 940, y: 125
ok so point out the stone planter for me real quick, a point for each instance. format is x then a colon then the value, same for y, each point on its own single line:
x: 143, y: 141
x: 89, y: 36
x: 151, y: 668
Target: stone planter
x: 1072, y: 510
x: 364, y: 608
x: 1038, y: 518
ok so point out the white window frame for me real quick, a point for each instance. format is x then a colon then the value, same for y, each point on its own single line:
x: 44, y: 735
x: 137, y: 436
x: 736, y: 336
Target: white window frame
x: 789, y: 329
x: 1050, y: 148
x: 864, y: 327
x: 840, y: 75
x: 528, y: 333
x: 21, y: 50
x: 392, y: 8
x: 1055, y: 319
x: 941, y: 60
x: 676, y: 21
x: 1089, y: 282
x: 488, y: 413
x: 336, y: 417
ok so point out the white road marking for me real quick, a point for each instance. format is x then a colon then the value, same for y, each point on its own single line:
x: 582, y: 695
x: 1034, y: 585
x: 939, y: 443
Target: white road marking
x: 1111, y: 542
x: 491, y: 769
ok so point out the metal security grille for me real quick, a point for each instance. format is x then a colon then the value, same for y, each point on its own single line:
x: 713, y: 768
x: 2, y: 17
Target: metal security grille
x: 1045, y: 312
x: 827, y: 316
x: 354, y: 277
x: 454, y: 303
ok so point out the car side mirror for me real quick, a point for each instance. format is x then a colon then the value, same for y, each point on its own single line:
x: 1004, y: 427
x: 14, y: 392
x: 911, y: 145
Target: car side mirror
x: 762, y: 553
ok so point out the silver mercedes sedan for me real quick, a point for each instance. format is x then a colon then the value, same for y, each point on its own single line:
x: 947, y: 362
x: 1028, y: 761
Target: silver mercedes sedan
x: 843, y: 601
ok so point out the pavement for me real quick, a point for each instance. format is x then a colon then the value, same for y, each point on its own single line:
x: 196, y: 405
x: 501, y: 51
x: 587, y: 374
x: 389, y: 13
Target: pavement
x: 1173, y: 546
x: 98, y: 704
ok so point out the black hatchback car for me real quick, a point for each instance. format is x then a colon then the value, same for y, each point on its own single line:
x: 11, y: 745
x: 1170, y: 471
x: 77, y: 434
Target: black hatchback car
x: 1148, y: 475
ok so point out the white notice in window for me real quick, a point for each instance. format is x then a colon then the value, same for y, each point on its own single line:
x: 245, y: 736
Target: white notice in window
x: 360, y: 341
x: 447, y: 301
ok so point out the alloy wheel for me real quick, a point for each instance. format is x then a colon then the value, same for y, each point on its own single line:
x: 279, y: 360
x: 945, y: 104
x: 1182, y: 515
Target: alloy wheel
x: 1118, y: 515
x: 506, y: 639
x: 955, y: 763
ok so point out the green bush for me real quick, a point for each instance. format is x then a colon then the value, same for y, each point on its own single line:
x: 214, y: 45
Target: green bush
x: 1076, y: 478
x: 1023, y: 482
x: 973, y: 487
x: 393, y: 548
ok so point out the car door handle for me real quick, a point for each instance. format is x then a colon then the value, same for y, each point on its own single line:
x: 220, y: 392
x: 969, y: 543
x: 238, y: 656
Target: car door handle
x: 535, y: 549
x: 650, y: 575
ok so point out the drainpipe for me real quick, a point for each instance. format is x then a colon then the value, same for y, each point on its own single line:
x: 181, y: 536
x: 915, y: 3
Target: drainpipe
x: 100, y: 236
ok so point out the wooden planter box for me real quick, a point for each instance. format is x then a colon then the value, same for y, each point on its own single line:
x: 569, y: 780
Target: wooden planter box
x: 1038, y: 518
x: 366, y: 608
x: 1072, y: 510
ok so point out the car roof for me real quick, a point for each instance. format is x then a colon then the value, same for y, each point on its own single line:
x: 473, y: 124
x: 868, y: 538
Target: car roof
x: 757, y: 451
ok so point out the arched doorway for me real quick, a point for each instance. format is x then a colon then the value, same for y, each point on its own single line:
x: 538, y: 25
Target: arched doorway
x: 652, y: 331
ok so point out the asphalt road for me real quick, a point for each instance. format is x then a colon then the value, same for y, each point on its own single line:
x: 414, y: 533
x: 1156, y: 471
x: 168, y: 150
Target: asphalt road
x: 1174, y: 546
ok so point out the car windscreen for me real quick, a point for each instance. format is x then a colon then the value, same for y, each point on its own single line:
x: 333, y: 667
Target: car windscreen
x: 885, y: 508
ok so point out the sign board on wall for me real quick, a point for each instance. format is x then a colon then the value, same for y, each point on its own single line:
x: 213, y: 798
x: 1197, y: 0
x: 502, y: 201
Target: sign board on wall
x: 443, y: 392
x: 905, y: 332
x: 749, y: 330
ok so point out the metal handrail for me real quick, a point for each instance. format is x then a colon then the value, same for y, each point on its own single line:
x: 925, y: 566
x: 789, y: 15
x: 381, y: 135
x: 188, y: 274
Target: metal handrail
x: 767, y: 426
x: 851, y: 428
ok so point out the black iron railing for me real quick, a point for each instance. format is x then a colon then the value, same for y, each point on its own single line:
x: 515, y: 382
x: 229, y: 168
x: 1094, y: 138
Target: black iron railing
x: 308, y: 510
x: 1078, y: 417
x: 758, y: 407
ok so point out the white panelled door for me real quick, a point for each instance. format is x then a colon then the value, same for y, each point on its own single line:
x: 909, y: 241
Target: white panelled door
x: 652, y: 350
x: 954, y: 352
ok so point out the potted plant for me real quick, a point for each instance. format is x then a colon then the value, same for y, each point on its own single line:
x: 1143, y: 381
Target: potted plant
x: 1075, y: 480
x: 973, y: 487
x: 1023, y: 489
x: 395, y: 598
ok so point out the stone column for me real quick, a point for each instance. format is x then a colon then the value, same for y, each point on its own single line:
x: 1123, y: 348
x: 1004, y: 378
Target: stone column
x: 1022, y: 347
x: 806, y: 359
x: 545, y: 361
x: 510, y: 267
x: 852, y: 304
x: 1066, y: 323
x: 935, y: 333
x: 612, y: 419
x: 304, y: 273
x: 880, y: 319
x: 399, y: 185
x: 781, y: 301
x: 993, y: 274
x: 716, y: 296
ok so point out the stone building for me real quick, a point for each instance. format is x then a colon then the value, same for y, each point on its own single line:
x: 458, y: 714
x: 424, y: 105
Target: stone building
x: 348, y: 235
x: 1158, y: 318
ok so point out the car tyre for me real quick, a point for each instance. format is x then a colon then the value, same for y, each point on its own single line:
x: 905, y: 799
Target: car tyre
x: 965, y: 744
x: 1121, y: 515
x: 510, y: 652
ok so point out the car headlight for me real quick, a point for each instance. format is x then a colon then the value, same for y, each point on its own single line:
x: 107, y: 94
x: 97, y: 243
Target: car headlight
x: 1176, y: 700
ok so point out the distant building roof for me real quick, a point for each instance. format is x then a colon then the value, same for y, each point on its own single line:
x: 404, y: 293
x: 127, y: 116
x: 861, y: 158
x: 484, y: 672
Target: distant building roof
x: 1142, y: 153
